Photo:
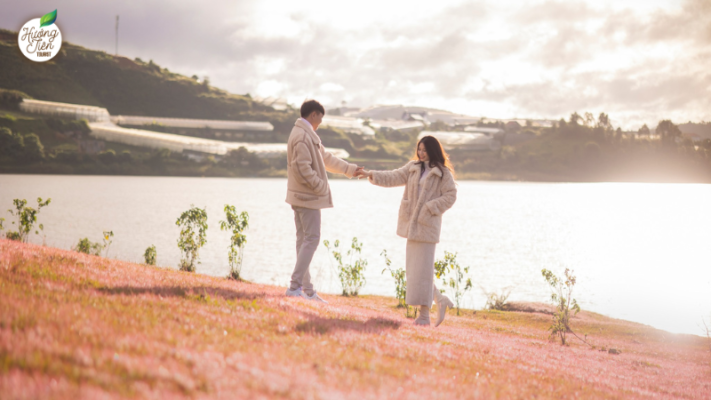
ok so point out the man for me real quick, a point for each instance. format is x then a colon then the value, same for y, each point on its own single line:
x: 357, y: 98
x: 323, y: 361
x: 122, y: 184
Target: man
x: 308, y: 191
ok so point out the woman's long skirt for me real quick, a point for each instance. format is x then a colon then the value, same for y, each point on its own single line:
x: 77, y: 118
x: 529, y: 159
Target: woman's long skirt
x: 419, y: 270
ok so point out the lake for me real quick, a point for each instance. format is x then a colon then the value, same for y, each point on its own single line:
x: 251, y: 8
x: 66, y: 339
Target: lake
x: 640, y: 251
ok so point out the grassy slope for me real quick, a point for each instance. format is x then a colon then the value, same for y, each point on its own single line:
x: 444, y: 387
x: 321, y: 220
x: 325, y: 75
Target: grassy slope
x: 73, y: 325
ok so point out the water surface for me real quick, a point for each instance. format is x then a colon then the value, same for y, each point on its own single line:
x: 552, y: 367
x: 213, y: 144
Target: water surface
x: 640, y: 251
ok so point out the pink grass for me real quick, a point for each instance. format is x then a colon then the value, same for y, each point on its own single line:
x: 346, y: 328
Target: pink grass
x: 78, y: 326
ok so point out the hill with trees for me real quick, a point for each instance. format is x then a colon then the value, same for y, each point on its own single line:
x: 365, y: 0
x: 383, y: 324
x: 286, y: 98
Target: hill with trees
x: 582, y: 148
x: 124, y: 86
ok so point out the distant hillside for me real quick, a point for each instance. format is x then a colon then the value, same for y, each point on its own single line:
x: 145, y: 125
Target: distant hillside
x: 123, y: 86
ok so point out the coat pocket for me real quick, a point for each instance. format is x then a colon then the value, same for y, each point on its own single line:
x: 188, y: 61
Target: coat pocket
x: 404, y: 213
x: 305, y: 197
x: 426, y: 218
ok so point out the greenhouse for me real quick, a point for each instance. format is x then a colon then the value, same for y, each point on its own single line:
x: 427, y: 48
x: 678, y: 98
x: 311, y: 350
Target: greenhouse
x: 194, y: 123
x: 179, y: 143
x: 65, y: 110
x: 349, y: 125
x: 462, y: 140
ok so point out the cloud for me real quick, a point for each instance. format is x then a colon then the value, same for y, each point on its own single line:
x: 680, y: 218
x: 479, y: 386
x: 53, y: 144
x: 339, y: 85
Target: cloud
x: 500, y: 59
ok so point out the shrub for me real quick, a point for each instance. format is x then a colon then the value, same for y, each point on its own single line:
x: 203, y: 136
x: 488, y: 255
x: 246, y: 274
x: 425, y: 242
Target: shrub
x: 193, y: 230
x: 562, y: 296
x: 107, y: 241
x: 351, y: 275
x: 237, y: 224
x: 400, y: 281
x: 34, y: 150
x: 457, y: 282
x: 11, y: 144
x: 125, y: 156
x: 150, y: 255
x: 107, y: 156
x: 707, y: 330
x: 86, y: 246
x: 497, y: 301
x: 26, y: 218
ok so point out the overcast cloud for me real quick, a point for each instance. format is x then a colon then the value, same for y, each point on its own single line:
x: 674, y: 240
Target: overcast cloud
x: 639, y: 61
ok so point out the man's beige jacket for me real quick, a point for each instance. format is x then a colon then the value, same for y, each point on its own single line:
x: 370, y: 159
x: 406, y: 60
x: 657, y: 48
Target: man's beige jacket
x: 307, y: 163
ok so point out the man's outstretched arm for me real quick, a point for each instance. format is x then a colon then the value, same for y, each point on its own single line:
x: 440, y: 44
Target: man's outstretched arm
x: 336, y: 165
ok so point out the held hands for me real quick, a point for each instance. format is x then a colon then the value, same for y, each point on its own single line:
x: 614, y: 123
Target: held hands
x: 361, y: 172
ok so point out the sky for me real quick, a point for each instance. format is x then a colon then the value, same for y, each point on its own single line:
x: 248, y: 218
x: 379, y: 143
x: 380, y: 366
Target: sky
x: 638, y: 61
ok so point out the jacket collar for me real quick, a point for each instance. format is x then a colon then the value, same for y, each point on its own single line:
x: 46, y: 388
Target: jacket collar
x: 415, y: 167
x: 305, y: 125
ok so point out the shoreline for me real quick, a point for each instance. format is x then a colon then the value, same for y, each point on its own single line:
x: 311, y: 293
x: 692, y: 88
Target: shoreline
x: 340, y: 177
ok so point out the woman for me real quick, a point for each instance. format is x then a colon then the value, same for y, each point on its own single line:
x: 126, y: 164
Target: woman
x: 429, y: 192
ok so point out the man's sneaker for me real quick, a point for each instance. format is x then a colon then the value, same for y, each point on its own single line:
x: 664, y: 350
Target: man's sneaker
x: 314, y: 297
x: 294, y: 293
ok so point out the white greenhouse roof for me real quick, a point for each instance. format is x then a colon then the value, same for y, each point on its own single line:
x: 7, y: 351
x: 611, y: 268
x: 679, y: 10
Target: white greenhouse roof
x: 395, y: 124
x: 193, y: 123
x: 348, y: 124
x: 180, y: 143
x: 65, y: 110
x: 481, y: 129
x: 461, y: 140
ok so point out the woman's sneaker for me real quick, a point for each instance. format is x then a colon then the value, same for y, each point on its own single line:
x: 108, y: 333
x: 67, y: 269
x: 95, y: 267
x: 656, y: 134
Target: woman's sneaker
x: 294, y: 293
x: 314, y: 297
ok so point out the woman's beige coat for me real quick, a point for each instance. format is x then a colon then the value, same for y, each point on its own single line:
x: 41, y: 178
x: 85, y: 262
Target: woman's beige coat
x: 420, y: 217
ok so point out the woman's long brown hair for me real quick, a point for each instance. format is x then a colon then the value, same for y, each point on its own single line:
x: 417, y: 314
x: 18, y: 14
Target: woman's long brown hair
x: 438, y: 157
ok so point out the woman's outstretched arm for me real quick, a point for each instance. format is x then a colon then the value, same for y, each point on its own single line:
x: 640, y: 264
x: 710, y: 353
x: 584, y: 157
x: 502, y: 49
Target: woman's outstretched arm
x: 396, y: 177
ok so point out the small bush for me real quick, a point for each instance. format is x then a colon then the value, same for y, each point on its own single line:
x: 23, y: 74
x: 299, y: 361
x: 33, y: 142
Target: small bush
x: 150, y: 255
x: 497, y: 301
x: 351, y: 275
x: 400, y: 281
x: 457, y: 282
x: 108, y: 156
x: 125, y: 156
x: 193, y: 232
x: 562, y: 296
x: 707, y: 330
x: 11, y: 144
x: 107, y: 241
x: 86, y: 246
x: 26, y: 219
x: 34, y: 150
x: 237, y: 224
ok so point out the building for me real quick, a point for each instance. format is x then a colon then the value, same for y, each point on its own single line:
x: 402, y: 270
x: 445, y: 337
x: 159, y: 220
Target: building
x: 65, y: 110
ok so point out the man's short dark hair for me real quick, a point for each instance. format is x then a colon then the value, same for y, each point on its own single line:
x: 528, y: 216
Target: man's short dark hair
x: 310, y: 106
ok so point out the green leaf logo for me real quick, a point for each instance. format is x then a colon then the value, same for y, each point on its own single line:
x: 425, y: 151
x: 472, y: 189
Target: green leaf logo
x: 48, y: 19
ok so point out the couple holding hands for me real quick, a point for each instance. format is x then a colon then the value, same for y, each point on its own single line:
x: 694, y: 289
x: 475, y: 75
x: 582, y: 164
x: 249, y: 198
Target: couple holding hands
x: 429, y: 192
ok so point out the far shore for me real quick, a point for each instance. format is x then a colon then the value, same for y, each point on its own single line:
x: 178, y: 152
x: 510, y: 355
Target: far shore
x: 460, y: 177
